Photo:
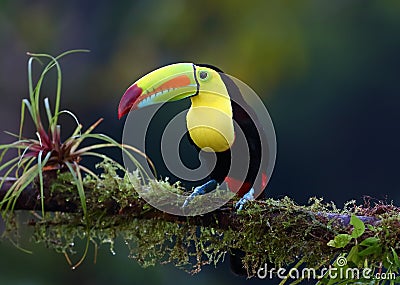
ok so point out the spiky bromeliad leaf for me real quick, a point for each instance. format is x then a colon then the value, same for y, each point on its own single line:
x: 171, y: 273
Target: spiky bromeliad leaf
x: 47, y: 152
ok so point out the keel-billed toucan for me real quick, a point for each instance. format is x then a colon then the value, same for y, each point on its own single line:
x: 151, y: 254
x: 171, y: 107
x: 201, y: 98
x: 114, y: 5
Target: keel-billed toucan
x: 218, y: 112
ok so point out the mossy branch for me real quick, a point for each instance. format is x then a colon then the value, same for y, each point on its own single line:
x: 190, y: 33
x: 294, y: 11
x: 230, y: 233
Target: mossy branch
x: 223, y: 218
x: 267, y: 231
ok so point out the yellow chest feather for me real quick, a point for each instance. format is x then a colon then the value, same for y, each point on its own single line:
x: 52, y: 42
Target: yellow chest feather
x: 210, y: 123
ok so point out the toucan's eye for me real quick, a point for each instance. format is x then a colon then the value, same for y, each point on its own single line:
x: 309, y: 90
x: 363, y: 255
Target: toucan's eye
x: 203, y: 75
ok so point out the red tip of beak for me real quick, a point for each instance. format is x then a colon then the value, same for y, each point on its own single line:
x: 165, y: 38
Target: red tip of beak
x: 128, y: 100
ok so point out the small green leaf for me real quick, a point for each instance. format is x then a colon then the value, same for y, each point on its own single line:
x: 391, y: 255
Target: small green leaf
x: 371, y: 241
x: 358, y: 225
x: 396, y: 258
x: 341, y: 240
x: 353, y: 255
x: 372, y: 245
x: 375, y: 249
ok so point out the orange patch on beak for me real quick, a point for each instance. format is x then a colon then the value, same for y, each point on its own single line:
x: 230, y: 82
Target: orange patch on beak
x: 176, y: 82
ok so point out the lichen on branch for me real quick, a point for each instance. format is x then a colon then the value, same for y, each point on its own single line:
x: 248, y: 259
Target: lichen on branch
x: 267, y: 231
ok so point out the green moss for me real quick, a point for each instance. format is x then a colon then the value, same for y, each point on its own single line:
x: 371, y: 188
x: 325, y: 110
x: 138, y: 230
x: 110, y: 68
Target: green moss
x: 273, y: 231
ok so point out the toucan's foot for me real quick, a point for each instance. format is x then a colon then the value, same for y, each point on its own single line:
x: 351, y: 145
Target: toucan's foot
x: 247, y: 197
x: 201, y: 190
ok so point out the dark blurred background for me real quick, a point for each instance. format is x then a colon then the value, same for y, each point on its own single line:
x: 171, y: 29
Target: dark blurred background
x: 328, y: 73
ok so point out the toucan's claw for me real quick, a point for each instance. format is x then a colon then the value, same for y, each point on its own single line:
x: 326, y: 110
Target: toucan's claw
x: 247, y: 197
x: 200, y: 190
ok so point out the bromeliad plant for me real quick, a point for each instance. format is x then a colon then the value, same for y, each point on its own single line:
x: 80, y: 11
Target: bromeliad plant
x: 47, y: 152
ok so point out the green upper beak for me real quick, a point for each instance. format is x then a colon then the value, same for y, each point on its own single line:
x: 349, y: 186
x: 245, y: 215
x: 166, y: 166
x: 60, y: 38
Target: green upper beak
x: 169, y: 83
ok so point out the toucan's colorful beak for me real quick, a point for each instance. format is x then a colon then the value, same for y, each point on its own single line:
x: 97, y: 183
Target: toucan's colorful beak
x: 169, y: 83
